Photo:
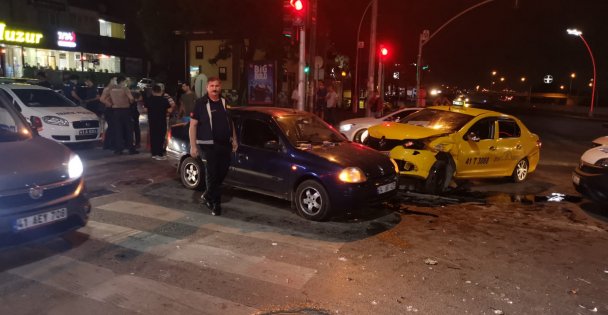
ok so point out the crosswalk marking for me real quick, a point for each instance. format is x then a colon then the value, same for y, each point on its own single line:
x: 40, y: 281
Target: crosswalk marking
x: 197, y: 252
x: 224, y: 225
x: 129, y: 292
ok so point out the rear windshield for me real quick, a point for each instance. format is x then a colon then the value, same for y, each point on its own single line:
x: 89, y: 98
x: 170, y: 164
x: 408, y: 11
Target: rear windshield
x: 42, y: 98
x: 447, y: 121
x: 12, y: 127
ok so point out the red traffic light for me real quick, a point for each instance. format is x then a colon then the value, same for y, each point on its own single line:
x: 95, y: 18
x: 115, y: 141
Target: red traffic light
x: 384, y: 51
x: 297, y: 4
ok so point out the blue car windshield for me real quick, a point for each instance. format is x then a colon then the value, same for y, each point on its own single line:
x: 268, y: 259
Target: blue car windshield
x: 447, y: 121
x: 42, y: 98
x: 12, y: 127
x: 307, y: 129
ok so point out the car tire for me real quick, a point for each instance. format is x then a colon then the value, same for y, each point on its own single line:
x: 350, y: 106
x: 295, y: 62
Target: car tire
x: 357, y: 137
x: 312, y: 201
x: 437, y: 181
x: 192, y: 173
x: 520, y: 173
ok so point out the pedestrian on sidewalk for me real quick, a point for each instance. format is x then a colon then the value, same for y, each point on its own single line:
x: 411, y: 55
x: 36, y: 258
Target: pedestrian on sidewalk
x: 158, y: 107
x: 331, y: 105
x: 212, y: 134
x: 186, y: 101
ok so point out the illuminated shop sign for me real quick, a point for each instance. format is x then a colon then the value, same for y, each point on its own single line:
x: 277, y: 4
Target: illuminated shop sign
x: 66, y: 39
x: 18, y: 36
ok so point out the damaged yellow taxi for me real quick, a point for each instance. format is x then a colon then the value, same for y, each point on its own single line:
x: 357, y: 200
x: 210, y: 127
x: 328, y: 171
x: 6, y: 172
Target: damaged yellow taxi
x: 441, y: 143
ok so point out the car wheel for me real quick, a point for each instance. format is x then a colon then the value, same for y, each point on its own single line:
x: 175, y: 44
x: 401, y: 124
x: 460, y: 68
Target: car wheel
x: 358, y: 134
x: 437, y: 181
x: 192, y: 173
x: 520, y: 173
x: 312, y: 201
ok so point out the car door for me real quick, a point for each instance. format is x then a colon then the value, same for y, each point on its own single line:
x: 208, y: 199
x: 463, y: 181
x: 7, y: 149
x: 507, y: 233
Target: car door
x: 477, y: 149
x: 510, y: 147
x: 260, y: 161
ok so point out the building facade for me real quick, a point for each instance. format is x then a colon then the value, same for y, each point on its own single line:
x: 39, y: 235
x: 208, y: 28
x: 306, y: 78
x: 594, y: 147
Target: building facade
x: 55, y: 36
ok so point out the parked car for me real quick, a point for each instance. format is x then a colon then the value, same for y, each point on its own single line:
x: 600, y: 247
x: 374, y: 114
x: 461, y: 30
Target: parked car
x: 590, y: 178
x: 55, y: 116
x: 356, y: 129
x: 145, y: 83
x: 439, y: 143
x: 294, y: 155
x: 42, y: 191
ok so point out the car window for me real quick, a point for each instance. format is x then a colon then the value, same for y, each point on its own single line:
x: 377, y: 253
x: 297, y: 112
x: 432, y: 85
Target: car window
x: 438, y: 119
x: 397, y: 117
x: 42, y: 98
x: 484, y: 129
x: 256, y: 133
x: 307, y: 129
x: 12, y: 127
x: 508, y: 128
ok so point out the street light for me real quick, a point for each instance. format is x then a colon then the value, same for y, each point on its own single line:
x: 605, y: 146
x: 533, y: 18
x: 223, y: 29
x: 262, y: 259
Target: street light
x: 572, y: 76
x: 355, y: 93
x: 578, y: 33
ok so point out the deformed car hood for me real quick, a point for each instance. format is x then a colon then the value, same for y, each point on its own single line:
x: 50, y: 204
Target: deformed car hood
x: 37, y: 161
x: 400, y: 131
x: 345, y: 154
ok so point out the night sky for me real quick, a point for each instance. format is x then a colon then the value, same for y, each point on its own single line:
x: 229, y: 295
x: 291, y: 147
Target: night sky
x: 529, y: 40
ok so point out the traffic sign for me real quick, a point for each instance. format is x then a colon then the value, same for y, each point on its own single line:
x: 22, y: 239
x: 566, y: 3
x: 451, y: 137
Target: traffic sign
x: 548, y: 79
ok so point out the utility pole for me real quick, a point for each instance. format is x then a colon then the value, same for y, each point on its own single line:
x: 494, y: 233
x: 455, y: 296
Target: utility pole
x: 312, y: 53
x: 301, y: 65
x: 372, y: 57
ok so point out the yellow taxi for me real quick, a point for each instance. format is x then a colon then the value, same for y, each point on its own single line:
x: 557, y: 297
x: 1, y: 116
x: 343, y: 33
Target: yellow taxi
x: 440, y: 143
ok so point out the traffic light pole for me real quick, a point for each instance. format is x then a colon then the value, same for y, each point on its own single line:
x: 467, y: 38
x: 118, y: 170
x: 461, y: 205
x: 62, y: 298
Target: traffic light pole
x: 372, y: 57
x: 301, y: 65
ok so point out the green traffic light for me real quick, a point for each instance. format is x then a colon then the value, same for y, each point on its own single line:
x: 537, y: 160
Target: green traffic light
x: 306, y: 69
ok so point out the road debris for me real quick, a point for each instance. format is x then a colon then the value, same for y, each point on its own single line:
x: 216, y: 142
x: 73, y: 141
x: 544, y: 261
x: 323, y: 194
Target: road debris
x: 583, y: 280
x: 430, y: 261
x: 498, y: 312
x: 411, y: 309
x: 275, y: 244
x: 573, y: 291
x: 374, y: 302
x: 342, y: 259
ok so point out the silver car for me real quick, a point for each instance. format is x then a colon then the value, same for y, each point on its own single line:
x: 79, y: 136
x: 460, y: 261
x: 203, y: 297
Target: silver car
x: 42, y: 191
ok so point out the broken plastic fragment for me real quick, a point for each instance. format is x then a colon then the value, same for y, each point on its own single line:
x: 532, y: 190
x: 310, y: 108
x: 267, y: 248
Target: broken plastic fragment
x: 556, y: 197
x: 430, y: 261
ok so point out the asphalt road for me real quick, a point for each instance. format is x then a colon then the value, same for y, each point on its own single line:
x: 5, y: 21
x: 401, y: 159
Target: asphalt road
x: 488, y: 248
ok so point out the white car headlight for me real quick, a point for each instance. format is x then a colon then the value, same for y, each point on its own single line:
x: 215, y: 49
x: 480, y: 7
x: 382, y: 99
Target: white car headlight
x: 54, y: 120
x: 346, y: 127
x: 602, y: 163
x: 352, y: 175
x: 75, y: 167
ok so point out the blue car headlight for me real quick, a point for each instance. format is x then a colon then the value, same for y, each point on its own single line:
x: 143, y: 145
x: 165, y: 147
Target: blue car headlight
x: 352, y: 175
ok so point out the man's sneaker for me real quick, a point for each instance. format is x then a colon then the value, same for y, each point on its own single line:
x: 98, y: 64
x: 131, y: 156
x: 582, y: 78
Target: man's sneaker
x: 161, y: 157
x: 216, y: 209
x: 206, y: 202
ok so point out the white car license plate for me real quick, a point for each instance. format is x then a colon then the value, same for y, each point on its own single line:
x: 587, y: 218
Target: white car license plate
x: 386, y: 188
x: 575, y: 179
x: 40, y: 219
x: 87, y: 132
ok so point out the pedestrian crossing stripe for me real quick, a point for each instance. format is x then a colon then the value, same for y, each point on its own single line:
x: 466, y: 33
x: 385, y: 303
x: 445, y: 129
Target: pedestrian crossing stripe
x: 223, y: 225
x: 126, y: 291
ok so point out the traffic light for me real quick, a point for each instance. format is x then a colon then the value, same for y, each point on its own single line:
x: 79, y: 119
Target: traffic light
x: 306, y: 69
x: 384, y: 51
x: 297, y: 8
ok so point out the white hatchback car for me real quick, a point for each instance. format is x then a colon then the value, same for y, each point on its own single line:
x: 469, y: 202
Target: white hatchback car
x: 356, y: 129
x: 55, y: 116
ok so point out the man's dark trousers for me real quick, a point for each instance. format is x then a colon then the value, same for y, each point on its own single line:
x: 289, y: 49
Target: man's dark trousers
x: 216, y: 168
x: 123, y: 129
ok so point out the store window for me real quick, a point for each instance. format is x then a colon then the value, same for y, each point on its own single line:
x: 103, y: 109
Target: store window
x: 13, y: 65
x: 52, y: 59
x: 111, y: 29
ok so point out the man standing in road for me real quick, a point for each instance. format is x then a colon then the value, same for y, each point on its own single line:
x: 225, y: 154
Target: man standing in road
x: 121, y: 98
x: 212, y: 132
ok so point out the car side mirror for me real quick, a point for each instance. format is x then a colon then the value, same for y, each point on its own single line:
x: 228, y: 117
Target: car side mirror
x: 472, y: 137
x: 272, y: 145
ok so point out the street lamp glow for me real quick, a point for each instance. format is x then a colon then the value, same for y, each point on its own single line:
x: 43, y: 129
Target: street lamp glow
x: 494, y: 72
x: 502, y: 79
x: 573, y: 75
x: 523, y: 79
x: 561, y: 87
x: 580, y: 35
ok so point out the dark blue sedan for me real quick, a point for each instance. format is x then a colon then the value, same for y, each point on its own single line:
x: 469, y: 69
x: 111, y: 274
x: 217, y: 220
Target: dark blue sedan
x: 296, y: 156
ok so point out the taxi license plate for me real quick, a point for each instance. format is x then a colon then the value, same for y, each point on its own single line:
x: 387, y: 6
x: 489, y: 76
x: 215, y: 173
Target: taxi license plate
x: 40, y: 219
x: 87, y: 132
x: 575, y: 179
x: 386, y: 188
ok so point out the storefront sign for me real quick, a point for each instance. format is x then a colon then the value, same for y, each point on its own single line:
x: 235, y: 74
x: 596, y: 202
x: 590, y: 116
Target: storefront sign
x: 261, y: 83
x: 66, y: 39
x: 18, y: 36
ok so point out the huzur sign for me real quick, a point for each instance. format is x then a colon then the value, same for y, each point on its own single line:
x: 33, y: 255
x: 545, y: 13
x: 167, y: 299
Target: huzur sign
x: 18, y: 36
